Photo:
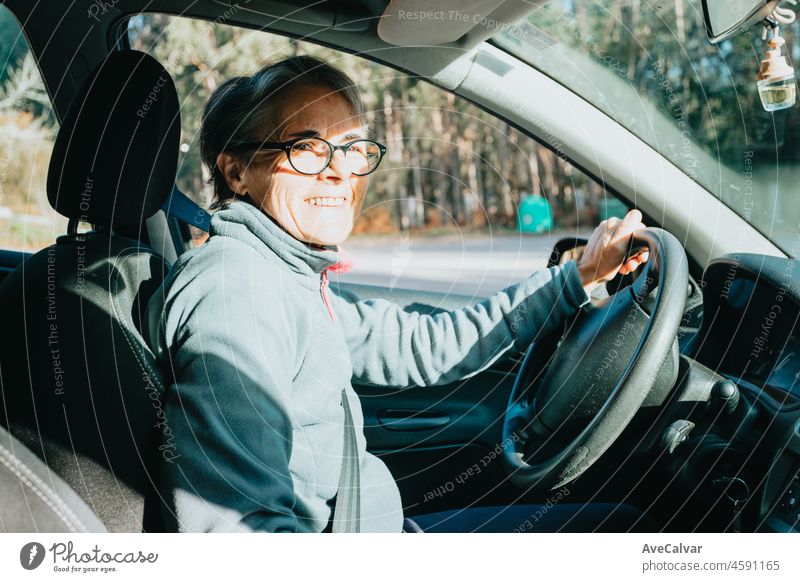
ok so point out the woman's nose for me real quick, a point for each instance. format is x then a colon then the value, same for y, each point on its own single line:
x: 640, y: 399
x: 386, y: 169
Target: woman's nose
x: 338, y: 169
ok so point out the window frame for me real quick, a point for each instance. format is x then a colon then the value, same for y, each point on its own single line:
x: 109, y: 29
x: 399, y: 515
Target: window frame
x: 184, y: 244
x: 11, y: 254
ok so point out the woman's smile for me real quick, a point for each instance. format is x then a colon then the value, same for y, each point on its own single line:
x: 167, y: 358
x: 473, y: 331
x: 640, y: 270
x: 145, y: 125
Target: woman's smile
x: 328, y: 201
x: 314, y: 208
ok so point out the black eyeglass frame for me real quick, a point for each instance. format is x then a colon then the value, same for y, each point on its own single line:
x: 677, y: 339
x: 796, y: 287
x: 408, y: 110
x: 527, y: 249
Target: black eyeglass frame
x: 287, y: 146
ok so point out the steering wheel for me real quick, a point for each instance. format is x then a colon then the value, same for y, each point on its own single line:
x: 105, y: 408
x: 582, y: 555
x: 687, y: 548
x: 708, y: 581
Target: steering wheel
x: 575, y: 392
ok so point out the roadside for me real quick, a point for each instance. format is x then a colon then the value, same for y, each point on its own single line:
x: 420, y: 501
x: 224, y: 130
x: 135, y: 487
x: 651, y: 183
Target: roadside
x: 476, y: 264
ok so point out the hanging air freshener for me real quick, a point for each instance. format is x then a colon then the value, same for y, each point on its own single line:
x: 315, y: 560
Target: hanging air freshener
x: 776, y: 82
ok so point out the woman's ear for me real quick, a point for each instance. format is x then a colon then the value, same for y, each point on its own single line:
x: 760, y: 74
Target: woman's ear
x: 232, y: 170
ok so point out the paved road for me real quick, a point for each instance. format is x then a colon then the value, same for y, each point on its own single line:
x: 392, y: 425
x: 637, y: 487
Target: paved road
x: 475, y: 265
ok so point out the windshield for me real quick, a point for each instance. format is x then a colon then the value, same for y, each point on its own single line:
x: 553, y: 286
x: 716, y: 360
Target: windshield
x: 650, y: 67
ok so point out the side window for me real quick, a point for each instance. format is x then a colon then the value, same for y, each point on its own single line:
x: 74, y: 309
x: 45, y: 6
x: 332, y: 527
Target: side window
x: 27, y: 129
x: 462, y: 203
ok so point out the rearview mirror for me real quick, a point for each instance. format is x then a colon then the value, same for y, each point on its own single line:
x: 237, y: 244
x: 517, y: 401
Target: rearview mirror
x: 725, y: 19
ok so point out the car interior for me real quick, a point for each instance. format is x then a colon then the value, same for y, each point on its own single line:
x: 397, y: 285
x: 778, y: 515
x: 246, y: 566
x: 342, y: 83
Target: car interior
x: 684, y: 401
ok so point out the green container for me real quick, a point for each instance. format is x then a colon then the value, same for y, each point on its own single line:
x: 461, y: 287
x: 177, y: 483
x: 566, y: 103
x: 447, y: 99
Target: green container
x: 534, y: 214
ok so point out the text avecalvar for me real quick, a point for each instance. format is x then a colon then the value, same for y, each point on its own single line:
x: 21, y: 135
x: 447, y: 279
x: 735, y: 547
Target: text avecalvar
x: 671, y: 549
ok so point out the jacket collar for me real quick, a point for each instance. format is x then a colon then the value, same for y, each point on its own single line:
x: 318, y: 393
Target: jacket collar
x: 245, y: 222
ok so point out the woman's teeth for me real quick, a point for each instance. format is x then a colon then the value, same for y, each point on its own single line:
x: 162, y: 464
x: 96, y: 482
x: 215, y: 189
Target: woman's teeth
x: 326, y: 201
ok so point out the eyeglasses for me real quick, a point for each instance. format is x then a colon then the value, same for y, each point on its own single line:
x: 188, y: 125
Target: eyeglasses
x: 311, y: 155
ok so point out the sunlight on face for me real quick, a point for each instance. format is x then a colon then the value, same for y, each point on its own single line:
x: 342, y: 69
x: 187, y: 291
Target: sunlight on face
x: 318, y: 209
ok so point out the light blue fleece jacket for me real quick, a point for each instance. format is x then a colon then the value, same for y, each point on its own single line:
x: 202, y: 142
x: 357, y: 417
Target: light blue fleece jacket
x: 259, y: 354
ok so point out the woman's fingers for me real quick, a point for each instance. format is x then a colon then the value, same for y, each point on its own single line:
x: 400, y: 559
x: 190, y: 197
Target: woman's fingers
x: 607, y: 249
x: 631, y: 223
x: 621, y: 240
x: 610, y: 229
x: 629, y: 267
x: 634, y: 262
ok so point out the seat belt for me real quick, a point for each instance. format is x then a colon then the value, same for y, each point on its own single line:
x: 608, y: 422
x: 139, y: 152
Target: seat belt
x: 347, y: 510
x: 186, y: 210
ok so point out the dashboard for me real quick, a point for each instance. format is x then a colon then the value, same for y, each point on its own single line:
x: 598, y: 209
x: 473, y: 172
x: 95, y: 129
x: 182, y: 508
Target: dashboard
x: 749, y: 334
x: 751, y: 307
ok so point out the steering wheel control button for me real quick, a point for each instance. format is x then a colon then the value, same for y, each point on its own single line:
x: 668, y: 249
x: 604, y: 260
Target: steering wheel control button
x: 676, y: 433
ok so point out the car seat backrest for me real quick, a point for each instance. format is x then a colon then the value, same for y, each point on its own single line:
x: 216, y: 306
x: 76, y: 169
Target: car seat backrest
x: 35, y: 499
x: 79, y: 384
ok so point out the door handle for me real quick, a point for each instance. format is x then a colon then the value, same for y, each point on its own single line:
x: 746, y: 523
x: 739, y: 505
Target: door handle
x: 410, y: 419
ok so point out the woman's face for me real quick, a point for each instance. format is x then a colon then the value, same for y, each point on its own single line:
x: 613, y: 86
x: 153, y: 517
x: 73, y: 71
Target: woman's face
x: 300, y: 203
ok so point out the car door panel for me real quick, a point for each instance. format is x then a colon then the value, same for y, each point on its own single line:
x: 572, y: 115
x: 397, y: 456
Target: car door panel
x: 446, y: 453
x: 441, y: 443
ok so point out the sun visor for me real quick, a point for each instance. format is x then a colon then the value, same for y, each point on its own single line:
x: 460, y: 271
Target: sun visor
x: 464, y: 23
x: 324, y: 14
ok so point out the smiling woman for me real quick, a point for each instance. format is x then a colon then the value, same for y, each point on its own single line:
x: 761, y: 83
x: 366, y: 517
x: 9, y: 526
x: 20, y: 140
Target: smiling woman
x: 280, y: 184
x: 268, y: 429
x: 242, y: 140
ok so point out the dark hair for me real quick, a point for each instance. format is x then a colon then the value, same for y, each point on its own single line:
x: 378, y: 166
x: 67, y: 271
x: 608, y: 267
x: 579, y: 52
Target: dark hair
x: 236, y: 111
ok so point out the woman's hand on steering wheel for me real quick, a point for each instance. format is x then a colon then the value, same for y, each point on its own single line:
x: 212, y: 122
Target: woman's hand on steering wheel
x: 608, y: 251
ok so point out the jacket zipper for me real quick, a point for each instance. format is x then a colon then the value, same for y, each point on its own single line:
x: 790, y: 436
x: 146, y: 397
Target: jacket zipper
x: 323, y: 285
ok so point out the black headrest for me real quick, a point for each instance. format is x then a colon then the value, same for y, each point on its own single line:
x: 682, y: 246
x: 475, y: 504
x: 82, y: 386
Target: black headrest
x: 116, y: 154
